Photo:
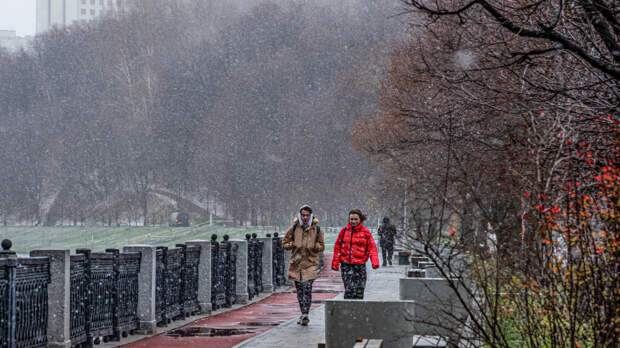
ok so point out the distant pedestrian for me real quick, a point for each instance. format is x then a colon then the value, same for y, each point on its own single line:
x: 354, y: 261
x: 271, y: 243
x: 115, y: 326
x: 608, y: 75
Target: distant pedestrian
x: 305, y: 239
x: 387, y: 232
x: 354, y: 246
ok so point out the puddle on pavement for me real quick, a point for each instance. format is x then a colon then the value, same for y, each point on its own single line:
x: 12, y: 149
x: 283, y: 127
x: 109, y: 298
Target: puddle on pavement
x: 260, y: 323
x: 319, y: 291
x: 203, y: 331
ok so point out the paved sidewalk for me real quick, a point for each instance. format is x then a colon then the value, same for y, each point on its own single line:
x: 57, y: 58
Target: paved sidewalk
x: 270, y: 322
x: 382, y: 284
x: 254, y: 319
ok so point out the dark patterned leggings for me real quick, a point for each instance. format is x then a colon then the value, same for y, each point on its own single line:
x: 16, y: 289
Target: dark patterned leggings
x: 304, y: 295
x: 354, y: 279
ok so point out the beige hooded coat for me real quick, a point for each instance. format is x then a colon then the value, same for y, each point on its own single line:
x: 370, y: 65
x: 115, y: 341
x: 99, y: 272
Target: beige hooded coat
x: 304, y: 262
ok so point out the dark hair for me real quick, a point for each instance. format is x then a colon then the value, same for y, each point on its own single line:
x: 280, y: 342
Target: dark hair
x: 359, y: 213
x: 306, y: 208
x: 386, y: 220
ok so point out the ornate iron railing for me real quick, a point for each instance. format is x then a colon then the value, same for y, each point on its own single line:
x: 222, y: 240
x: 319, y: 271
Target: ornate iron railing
x: 252, y: 286
x: 218, y: 276
x: 258, y: 263
x: 160, y: 280
x: 189, y: 288
x: 126, y: 270
x: 228, y: 260
x: 101, y: 289
x: 78, y: 305
x: 4, y: 303
x: 278, y: 260
x: 173, y: 260
x: 103, y: 298
x: 32, y: 278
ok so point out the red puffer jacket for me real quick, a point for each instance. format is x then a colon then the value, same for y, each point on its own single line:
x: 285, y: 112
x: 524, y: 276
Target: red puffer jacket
x: 355, y: 246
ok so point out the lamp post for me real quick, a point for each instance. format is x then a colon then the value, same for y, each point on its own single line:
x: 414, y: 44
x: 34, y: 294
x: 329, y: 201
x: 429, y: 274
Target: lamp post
x: 406, y: 181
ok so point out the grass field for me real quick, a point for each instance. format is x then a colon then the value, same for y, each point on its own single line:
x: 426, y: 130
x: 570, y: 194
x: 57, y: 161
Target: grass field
x: 98, y: 238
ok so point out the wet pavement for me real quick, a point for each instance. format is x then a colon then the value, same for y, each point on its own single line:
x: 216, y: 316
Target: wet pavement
x: 382, y: 284
x: 246, y: 322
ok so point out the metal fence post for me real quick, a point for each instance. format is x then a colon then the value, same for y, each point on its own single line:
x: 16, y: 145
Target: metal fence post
x: 11, y: 264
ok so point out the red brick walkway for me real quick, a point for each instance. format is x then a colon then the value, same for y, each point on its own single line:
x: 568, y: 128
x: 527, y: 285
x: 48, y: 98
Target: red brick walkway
x: 256, y: 318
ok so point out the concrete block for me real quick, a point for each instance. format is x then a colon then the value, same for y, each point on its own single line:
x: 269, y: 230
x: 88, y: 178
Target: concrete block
x: 416, y: 273
x: 438, y: 310
x: 147, y: 283
x: 391, y: 321
x: 429, y: 342
x: 416, y: 259
x: 241, y: 266
x: 204, y: 275
x: 267, y: 276
x: 59, y: 299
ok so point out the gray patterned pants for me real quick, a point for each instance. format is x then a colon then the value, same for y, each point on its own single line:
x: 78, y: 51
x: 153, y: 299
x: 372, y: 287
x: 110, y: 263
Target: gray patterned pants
x: 304, y: 295
x: 354, y: 279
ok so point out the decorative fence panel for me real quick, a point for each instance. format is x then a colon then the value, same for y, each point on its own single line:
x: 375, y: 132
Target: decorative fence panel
x: 78, y: 306
x: 127, y: 268
x: 252, y: 276
x: 258, y: 264
x: 160, y: 279
x: 278, y: 261
x: 173, y: 261
x: 189, y: 299
x: 4, y: 303
x: 102, y: 287
x: 228, y: 261
x: 218, y: 276
x: 32, y: 278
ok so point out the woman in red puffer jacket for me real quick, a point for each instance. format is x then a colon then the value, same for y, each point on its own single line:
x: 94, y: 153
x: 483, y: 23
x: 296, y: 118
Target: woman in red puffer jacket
x: 353, y: 248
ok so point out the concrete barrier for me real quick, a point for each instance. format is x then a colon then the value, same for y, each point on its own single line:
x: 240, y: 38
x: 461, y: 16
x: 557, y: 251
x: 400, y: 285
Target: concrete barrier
x: 147, y: 284
x: 241, y: 265
x: 438, y: 311
x: 391, y: 321
x: 267, y: 275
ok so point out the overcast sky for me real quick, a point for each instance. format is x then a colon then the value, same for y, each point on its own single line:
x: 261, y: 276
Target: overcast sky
x: 18, y: 15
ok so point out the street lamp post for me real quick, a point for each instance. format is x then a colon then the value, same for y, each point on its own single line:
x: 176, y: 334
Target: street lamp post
x: 406, y: 181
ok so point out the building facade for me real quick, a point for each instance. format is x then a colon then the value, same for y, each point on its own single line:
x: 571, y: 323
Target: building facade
x: 10, y: 41
x: 61, y: 13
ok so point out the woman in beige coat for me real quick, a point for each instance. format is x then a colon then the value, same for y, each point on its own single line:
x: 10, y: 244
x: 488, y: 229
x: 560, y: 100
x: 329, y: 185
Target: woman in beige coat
x: 305, y: 240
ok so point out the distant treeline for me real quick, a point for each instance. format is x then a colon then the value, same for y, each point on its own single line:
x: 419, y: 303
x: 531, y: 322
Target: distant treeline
x: 249, y: 108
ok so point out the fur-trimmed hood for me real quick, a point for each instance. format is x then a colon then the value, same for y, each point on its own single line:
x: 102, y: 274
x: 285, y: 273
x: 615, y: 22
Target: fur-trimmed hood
x: 296, y: 220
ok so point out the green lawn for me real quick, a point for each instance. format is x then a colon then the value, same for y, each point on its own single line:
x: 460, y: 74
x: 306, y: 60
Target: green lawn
x: 98, y: 238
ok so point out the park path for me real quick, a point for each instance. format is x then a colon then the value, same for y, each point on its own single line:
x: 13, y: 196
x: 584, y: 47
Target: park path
x: 382, y: 285
x: 257, y: 318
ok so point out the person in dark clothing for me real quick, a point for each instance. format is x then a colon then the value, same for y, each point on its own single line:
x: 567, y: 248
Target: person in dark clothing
x: 354, y: 246
x: 387, y: 232
x: 305, y: 240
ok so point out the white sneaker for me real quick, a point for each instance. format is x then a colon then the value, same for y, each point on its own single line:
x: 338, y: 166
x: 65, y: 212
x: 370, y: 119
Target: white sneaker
x: 300, y: 319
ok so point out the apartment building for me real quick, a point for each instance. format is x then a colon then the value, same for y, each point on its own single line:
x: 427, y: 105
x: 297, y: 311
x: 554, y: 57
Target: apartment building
x: 52, y: 13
